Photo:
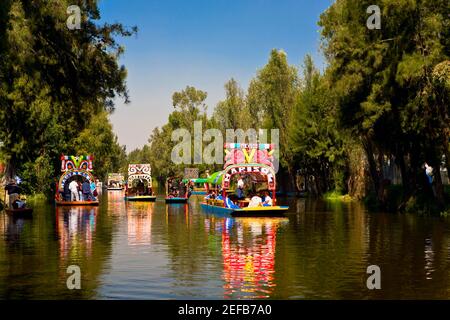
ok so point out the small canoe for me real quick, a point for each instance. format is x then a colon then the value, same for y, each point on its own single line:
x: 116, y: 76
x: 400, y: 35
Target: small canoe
x: 25, y: 212
x: 77, y: 203
x: 176, y: 200
x: 141, y: 198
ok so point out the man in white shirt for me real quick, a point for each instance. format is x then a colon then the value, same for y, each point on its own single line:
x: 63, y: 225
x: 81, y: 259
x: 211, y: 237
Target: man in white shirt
x: 240, y: 190
x: 73, y: 187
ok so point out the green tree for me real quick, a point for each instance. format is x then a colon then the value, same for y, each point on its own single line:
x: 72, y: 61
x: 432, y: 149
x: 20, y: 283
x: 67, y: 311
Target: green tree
x: 271, y: 98
x: 53, y: 80
x: 384, y: 87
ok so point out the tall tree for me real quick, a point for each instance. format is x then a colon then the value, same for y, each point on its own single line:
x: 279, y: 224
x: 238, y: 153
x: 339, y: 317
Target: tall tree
x: 383, y: 84
x: 271, y: 98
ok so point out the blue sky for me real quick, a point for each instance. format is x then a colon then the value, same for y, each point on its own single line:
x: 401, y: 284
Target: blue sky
x: 202, y: 43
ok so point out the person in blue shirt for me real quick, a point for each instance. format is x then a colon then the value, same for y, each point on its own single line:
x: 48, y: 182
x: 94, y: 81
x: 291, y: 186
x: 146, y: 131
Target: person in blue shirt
x: 86, y: 189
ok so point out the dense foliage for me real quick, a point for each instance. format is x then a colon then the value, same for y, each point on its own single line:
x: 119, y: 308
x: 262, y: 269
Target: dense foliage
x: 55, y: 85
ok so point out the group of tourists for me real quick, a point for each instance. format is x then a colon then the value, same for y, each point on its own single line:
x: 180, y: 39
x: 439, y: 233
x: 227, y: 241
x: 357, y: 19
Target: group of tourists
x: 85, y: 191
x: 178, y: 189
x: 140, y: 190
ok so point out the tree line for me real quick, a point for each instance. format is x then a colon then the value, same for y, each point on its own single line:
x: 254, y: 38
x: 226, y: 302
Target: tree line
x: 56, y: 89
x: 382, y: 99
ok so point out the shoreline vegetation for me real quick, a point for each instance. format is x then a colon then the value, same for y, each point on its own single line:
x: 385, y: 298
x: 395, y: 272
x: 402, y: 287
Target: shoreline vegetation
x: 365, y: 128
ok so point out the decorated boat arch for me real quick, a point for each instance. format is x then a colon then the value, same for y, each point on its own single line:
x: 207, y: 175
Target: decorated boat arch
x: 255, y: 164
x: 77, y: 168
x: 139, y: 184
x: 115, y: 182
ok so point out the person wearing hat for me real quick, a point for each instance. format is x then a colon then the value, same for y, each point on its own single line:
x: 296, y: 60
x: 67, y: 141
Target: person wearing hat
x: 13, y: 192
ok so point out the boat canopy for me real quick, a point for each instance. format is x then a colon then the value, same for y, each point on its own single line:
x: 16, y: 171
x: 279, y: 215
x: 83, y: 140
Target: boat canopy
x: 139, y: 172
x: 75, y: 166
x: 116, y: 177
x: 197, y: 180
x: 215, y: 178
x: 255, y: 160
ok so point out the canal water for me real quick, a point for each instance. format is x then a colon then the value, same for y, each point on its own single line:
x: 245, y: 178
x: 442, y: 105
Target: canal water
x: 321, y: 250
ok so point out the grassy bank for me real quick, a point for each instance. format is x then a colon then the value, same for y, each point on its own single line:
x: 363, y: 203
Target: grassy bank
x: 337, y: 196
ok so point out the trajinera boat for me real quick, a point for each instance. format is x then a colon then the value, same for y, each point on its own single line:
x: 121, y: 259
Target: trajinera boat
x: 76, y: 169
x: 254, y: 164
x: 177, y: 190
x: 139, y: 185
x: 115, y: 182
x: 198, y: 184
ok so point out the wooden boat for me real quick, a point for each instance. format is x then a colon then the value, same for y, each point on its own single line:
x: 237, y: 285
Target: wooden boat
x: 115, y: 182
x: 78, y: 203
x: 141, y: 198
x: 272, y: 211
x: 139, y: 185
x: 176, y: 200
x: 24, y: 212
x: 175, y: 187
x: 199, y: 185
x: 253, y: 161
x: 75, y: 167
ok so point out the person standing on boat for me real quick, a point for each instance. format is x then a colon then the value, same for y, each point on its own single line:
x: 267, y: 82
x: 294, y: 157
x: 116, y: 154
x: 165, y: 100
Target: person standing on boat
x: 86, y: 189
x: 13, y: 192
x: 73, y: 187
x: 240, y: 190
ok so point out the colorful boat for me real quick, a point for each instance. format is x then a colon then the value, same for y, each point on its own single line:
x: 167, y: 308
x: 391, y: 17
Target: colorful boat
x: 80, y: 168
x: 115, y: 182
x: 139, y: 186
x: 254, y: 161
x: 176, y: 191
x: 199, y: 185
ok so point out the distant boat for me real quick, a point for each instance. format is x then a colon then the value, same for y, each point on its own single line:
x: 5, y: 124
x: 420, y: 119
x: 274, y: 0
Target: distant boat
x: 176, y: 200
x: 199, y: 185
x: 115, y: 182
x: 78, y: 203
x: 177, y: 190
x: 141, y: 198
x: 139, y: 185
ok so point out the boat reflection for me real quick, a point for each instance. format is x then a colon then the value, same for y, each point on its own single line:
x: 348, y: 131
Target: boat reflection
x: 139, y: 222
x: 11, y: 228
x: 76, y: 230
x: 248, y: 249
x: 175, y: 211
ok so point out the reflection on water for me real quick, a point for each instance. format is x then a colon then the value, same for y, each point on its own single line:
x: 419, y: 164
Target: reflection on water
x: 158, y: 251
x: 139, y: 220
x: 75, y: 229
x: 249, y: 260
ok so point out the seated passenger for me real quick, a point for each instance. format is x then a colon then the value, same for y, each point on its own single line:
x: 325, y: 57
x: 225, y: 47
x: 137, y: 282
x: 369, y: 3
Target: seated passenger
x: 230, y: 204
x: 255, y: 201
x: 267, y: 200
